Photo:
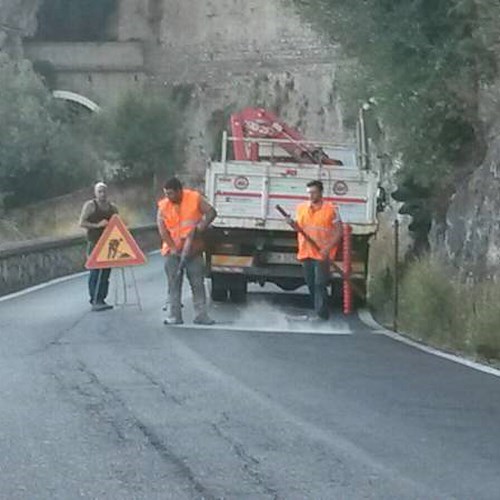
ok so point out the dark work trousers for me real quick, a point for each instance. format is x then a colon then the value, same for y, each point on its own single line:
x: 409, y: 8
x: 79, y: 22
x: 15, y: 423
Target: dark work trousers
x: 317, y: 277
x: 195, y: 270
x: 98, y: 281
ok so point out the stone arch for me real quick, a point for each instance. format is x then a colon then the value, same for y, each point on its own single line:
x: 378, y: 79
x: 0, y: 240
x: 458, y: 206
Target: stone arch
x: 77, y: 98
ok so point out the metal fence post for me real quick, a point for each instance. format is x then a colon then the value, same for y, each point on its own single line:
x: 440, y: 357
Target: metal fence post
x: 396, y: 275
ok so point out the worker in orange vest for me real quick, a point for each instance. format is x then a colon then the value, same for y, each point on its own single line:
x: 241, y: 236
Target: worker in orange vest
x: 182, y: 213
x: 320, y: 220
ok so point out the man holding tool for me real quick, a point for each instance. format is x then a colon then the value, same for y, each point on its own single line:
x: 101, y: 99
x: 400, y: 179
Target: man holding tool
x: 319, y: 231
x: 182, y: 217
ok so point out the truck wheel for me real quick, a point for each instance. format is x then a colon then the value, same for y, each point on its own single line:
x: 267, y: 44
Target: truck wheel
x: 238, y: 290
x: 219, y: 289
x: 336, y: 293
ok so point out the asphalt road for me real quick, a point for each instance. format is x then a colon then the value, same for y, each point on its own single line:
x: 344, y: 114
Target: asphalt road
x: 115, y: 405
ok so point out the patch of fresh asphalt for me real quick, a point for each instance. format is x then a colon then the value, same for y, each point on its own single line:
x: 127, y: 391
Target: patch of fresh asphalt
x: 117, y: 405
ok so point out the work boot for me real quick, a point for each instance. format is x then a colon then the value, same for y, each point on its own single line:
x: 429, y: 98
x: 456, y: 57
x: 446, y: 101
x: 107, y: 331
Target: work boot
x: 101, y: 306
x: 204, y: 319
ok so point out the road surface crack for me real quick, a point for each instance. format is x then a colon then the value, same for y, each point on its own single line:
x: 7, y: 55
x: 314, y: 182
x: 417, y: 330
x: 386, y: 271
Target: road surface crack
x: 56, y: 340
x: 250, y: 463
x: 159, y: 385
x: 109, y: 398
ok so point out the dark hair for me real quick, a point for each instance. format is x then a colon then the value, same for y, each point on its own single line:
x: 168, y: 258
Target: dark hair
x: 174, y: 184
x: 317, y: 184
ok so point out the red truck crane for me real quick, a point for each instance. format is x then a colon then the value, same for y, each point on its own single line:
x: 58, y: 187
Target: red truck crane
x: 258, y: 123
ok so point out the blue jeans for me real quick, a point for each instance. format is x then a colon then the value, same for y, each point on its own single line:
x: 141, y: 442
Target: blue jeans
x: 317, y: 277
x: 98, y: 281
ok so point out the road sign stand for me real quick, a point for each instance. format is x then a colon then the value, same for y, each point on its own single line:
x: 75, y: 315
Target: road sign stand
x: 121, y: 282
x: 116, y: 248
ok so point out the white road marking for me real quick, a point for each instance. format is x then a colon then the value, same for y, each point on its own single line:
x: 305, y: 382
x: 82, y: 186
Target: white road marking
x: 41, y: 286
x: 366, y: 317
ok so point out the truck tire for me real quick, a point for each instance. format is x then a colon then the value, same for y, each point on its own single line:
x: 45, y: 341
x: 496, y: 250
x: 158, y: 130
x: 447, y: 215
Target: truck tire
x: 219, y: 290
x: 238, y: 289
x: 336, y: 293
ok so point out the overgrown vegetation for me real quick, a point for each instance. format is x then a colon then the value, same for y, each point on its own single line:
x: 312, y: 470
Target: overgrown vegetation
x: 41, y: 155
x: 143, y: 134
x: 422, y: 62
x: 437, y: 308
x: 48, y: 148
x: 381, y: 294
x: 431, y: 306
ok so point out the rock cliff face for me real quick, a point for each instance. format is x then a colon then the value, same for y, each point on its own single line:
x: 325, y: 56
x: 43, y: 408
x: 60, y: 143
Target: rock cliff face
x: 17, y: 20
x: 471, y: 235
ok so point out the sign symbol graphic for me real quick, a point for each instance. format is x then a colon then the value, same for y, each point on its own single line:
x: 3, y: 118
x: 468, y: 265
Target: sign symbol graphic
x: 115, y: 248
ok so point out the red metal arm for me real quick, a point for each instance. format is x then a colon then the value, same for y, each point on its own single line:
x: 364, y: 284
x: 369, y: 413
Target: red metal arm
x: 258, y: 123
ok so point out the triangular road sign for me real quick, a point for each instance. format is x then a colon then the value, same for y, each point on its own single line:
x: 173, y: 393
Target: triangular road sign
x: 116, y: 248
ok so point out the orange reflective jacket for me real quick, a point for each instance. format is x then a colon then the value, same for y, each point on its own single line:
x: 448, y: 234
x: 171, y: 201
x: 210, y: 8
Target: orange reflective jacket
x: 318, y: 223
x: 180, y: 219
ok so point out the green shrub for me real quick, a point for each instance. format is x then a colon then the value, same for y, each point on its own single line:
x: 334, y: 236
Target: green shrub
x: 41, y: 154
x: 143, y: 134
x: 436, y: 308
x: 430, y: 305
x: 484, y: 319
x: 381, y: 296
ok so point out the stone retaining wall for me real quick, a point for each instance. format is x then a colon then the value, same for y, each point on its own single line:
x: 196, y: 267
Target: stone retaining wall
x: 29, y: 263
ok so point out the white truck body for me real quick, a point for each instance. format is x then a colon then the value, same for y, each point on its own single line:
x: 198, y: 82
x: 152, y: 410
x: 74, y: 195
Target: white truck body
x: 251, y: 242
x: 245, y: 194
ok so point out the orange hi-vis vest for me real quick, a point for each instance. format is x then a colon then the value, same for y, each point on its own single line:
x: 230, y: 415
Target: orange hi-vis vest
x: 318, y: 224
x: 180, y: 219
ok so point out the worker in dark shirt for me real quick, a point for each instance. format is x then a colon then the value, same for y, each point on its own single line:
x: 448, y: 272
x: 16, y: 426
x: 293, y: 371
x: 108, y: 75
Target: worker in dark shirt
x: 94, y: 218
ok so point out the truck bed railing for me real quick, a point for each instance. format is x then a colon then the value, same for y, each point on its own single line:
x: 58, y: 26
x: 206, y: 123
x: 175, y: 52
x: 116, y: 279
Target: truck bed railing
x: 277, y: 150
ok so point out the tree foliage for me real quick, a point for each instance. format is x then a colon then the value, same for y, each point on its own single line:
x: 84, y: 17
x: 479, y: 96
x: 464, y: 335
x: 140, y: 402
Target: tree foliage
x: 143, y: 133
x: 48, y: 149
x: 423, y: 62
x: 41, y: 155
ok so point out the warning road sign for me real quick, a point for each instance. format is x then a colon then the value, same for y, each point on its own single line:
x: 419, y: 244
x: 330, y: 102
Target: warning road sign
x: 115, y: 248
